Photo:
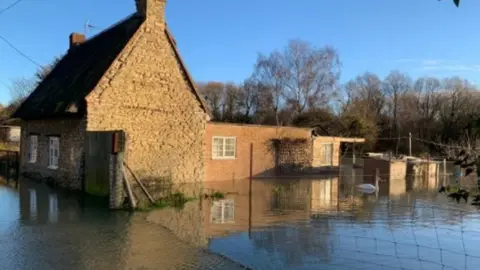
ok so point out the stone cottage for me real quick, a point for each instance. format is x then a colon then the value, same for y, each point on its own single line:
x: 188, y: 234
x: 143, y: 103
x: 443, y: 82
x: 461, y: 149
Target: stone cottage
x: 129, y: 77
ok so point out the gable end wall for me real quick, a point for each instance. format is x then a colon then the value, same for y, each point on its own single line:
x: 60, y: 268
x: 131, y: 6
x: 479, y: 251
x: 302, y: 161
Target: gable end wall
x: 146, y: 94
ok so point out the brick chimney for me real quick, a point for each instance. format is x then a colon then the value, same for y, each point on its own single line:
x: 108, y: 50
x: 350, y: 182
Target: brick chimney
x: 153, y: 10
x: 76, y: 39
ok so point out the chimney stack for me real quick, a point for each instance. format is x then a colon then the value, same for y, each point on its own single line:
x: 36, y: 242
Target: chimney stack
x: 76, y: 39
x: 153, y: 11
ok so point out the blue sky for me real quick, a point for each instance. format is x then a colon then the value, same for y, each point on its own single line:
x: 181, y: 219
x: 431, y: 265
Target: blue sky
x: 220, y: 39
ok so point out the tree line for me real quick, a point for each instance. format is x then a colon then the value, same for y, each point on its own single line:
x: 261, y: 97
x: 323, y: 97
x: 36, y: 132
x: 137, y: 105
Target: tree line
x: 299, y: 86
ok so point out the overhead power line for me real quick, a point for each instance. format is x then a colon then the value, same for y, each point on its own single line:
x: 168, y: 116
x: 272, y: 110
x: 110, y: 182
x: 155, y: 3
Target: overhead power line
x: 20, y: 52
x: 4, y: 83
x: 10, y: 6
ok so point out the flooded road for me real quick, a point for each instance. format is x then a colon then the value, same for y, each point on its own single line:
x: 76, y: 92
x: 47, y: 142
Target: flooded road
x: 315, y: 223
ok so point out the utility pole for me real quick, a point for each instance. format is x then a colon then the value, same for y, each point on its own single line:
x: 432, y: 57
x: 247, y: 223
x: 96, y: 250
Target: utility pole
x: 410, y: 144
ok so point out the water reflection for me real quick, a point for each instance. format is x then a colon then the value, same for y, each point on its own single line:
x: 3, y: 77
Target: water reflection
x: 42, y: 228
x: 328, y: 223
x: 322, y: 222
x: 223, y: 211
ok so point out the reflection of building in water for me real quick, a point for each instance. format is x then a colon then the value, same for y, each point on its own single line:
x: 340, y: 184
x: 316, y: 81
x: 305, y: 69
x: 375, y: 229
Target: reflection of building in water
x: 223, y: 211
x: 52, y: 208
x: 275, y: 203
x: 397, y: 187
x: 290, y: 195
x: 187, y: 223
x: 295, y: 245
x: 271, y: 202
x: 324, y: 194
x: 41, y: 204
x: 423, y: 175
x: 33, y: 203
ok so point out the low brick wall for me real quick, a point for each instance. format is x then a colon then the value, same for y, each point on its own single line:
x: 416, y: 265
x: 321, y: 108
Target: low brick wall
x: 387, y: 169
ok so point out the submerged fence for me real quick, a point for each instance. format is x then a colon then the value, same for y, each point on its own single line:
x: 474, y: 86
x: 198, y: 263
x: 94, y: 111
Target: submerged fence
x: 9, y: 166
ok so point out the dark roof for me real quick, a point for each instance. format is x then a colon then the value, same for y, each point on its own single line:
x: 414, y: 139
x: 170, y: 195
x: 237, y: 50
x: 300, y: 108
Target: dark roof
x: 78, y: 72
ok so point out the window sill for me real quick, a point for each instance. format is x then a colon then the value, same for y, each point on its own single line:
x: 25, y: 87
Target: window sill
x: 223, y: 158
x: 52, y: 167
x: 32, y: 161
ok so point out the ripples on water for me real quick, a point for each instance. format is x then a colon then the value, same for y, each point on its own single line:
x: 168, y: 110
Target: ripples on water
x: 283, y: 224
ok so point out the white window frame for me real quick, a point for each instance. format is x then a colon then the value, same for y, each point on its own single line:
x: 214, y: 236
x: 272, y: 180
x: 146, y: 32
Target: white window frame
x: 53, y: 152
x: 224, y: 139
x: 32, y: 148
x: 323, y: 154
x: 222, y: 205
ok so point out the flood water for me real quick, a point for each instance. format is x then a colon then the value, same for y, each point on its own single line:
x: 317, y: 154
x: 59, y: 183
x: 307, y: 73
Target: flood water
x: 315, y: 223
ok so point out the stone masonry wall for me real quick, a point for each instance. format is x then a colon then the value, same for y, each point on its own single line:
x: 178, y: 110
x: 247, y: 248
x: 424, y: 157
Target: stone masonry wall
x: 72, y: 138
x: 146, y: 94
x: 293, y: 155
x: 264, y: 152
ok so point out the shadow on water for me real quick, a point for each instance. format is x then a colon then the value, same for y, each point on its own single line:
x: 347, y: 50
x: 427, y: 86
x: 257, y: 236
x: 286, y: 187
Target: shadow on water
x: 312, y: 223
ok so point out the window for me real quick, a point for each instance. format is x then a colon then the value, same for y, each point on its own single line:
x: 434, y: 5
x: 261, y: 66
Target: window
x: 326, y: 154
x: 223, y: 211
x: 32, y: 148
x: 53, y: 153
x: 223, y: 147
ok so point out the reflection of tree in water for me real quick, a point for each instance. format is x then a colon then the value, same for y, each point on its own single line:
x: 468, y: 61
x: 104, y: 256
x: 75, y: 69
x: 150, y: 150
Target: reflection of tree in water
x: 296, y: 245
x: 293, y: 195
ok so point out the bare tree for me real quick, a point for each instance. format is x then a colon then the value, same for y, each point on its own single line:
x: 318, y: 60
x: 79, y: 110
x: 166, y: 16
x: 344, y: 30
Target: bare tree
x: 395, y: 85
x: 309, y: 75
x: 426, y: 91
x: 364, y: 96
x: 20, y: 88
x: 248, y: 97
x: 231, y: 102
x: 301, y: 76
x: 268, y: 74
x: 43, y: 72
x: 212, y: 93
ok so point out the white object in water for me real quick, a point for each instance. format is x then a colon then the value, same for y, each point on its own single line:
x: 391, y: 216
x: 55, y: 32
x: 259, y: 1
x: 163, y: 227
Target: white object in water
x: 367, y: 187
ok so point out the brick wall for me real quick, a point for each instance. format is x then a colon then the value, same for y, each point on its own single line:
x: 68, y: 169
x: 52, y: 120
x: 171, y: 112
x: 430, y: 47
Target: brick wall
x: 146, y: 93
x: 72, y: 138
x: 263, y: 150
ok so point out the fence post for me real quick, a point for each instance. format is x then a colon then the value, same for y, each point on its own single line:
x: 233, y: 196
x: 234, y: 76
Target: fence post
x: 428, y: 167
x: 250, y: 193
x: 8, y: 168
x: 410, y: 144
x: 353, y: 150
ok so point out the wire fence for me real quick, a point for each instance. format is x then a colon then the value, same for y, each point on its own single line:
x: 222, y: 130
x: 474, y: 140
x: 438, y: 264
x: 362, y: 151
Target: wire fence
x: 320, y: 224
